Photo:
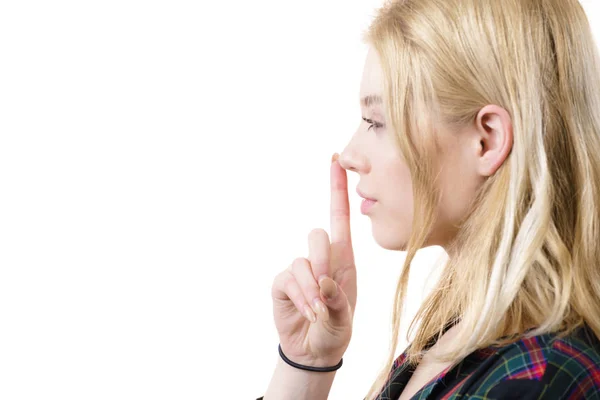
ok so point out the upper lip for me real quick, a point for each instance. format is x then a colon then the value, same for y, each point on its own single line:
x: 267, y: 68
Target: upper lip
x: 364, y: 196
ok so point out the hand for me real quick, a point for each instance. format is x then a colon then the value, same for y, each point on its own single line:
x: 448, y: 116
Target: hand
x: 329, y: 270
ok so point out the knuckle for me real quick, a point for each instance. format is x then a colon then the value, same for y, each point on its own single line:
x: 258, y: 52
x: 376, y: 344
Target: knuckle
x: 287, y: 285
x: 299, y: 262
x: 279, y: 279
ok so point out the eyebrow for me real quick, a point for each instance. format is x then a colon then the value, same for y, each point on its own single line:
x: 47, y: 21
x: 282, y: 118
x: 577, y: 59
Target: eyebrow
x: 370, y: 100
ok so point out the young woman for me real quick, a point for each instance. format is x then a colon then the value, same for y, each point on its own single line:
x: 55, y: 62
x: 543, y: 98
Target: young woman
x: 480, y: 134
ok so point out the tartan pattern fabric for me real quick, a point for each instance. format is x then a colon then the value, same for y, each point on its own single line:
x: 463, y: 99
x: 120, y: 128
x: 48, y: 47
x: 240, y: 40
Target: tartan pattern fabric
x: 539, y: 367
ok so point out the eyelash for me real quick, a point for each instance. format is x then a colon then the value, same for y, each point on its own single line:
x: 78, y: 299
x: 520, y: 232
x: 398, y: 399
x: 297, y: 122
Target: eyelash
x: 372, y: 123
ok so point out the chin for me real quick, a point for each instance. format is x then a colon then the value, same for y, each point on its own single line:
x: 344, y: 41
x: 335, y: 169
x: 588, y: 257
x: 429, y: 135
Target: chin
x: 390, y: 240
x: 397, y: 240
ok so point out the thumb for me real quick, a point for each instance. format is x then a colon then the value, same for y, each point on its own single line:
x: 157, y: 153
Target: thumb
x: 336, y: 302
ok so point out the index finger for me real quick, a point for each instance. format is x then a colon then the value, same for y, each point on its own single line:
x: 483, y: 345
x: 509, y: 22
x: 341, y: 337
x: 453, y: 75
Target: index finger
x: 340, y: 207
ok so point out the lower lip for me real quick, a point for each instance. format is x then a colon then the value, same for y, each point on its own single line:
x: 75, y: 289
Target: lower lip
x: 366, y: 205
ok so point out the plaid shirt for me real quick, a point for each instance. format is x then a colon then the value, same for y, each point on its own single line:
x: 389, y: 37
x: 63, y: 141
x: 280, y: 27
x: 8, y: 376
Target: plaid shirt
x: 540, y: 367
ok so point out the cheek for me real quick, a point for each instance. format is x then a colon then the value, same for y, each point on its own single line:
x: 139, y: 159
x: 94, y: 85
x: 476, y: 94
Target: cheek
x: 394, y: 223
x: 399, y: 190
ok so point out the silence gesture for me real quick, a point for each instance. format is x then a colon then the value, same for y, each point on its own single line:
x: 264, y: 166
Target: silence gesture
x: 315, y: 297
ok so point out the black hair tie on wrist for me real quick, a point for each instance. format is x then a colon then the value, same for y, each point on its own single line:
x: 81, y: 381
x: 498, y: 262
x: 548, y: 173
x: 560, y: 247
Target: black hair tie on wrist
x: 309, y: 368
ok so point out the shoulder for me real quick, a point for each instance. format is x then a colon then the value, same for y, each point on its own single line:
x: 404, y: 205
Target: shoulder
x: 573, y: 366
x: 546, y: 366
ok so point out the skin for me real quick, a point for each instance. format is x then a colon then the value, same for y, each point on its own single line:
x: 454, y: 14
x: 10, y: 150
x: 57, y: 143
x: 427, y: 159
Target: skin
x: 468, y: 158
x: 314, y: 328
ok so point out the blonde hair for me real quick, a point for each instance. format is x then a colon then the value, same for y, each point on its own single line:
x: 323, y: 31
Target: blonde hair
x: 527, y: 254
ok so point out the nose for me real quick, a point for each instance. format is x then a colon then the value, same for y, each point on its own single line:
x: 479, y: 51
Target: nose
x: 353, y: 161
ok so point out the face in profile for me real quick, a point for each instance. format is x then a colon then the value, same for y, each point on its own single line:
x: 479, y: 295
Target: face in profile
x: 466, y: 157
x: 374, y: 156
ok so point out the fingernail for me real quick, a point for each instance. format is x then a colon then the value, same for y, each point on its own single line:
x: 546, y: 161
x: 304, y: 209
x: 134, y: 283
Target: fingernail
x: 328, y: 288
x: 310, y: 314
x: 320, y: 279
x: 334, y: 157
x: 318, y: 306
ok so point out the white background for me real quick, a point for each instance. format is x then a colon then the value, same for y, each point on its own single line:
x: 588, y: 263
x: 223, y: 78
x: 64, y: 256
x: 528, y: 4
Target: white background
x: 160, y: 163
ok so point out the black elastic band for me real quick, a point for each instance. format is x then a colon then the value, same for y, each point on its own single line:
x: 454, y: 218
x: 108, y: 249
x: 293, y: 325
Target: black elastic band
x: 308, y: 368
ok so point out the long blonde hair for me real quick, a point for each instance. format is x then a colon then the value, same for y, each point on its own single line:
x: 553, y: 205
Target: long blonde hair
x: 527, y: 254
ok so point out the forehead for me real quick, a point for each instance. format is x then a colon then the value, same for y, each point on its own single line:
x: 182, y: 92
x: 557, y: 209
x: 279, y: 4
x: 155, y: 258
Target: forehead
x: 372, y: 77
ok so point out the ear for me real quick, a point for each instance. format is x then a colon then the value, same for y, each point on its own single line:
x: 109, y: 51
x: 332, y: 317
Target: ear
x: 494, y: 127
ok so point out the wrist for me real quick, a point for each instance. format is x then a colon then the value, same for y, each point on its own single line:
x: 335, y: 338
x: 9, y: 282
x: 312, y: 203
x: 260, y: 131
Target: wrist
x: 310, y: 361
x: 292, y: 383
x: 311, y: 364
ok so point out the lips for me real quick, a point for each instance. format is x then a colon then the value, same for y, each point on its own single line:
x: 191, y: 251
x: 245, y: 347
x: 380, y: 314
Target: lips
x: 363, y: 195
x: 367, y: 203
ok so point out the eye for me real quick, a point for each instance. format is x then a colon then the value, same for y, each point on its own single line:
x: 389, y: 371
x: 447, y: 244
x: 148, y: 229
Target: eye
x: 372, y: 124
